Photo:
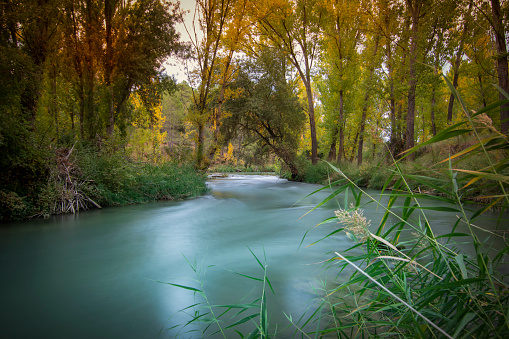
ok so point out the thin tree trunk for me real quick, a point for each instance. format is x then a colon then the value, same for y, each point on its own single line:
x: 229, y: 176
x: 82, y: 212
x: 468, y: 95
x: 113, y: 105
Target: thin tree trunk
x: 89, y: 74
x: 109, y: 9
x: 365, y: 107
x: 412, y: 79
x: 433, y: 106
x: 54, y: 102
x: 457, y: 63
x: 341, y: 149
x: 361, y: 129
x: 334, y: 141
x: 479, y: 76
x: 199, y: 146
x: 502, y: 66
x: 312, y: 123
x: 392, y: 99
x: 433, y: 102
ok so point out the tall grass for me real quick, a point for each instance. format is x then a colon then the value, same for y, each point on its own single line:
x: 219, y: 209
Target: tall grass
x: 409, y: 282
x: 207, y: 320
x: 119, y: 180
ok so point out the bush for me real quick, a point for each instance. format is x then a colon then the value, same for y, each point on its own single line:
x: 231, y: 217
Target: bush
x: 120, y: 181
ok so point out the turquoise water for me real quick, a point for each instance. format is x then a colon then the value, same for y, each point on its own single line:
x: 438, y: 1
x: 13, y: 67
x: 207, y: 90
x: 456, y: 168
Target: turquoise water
x: 98, y: 274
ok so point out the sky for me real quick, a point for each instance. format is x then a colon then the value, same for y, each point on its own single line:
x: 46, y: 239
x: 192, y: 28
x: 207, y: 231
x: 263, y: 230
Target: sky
x: 173, y: 66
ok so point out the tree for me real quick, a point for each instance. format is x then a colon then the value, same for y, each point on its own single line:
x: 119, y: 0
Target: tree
x: 339, y: 58
x: 266, y: 106
x: 459, y: 54
x: 497, y: 22
x: 115, y: 48
x: 236, y: 30
x: 294, y: 27
x: 210, y: 16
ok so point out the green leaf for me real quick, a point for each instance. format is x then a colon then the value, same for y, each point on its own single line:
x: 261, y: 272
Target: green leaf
x: 330, y: 197
x: 501, y: 90
x: 246, y: 276
x: 243, y: 320
x: 182, y: 286
x: 448, y: 235
x: 461, y: 264
x: 454, y: 284
x: 492, y: 176
x: 328, y: 235
x: 244, y: 306
x: 466, y: 319
x: 254, y: 255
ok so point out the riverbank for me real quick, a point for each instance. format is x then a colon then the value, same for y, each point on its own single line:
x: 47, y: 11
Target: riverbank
x: 428, y: 172
x: 79, y: 178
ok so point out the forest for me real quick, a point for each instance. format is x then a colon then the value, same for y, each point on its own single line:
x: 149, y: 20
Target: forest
x: 89, y: 114
x: 406, y: 97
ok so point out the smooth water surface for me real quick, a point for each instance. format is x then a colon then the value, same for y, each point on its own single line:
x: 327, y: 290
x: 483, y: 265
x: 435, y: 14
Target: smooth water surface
x: 94, y: 275
x: 98, y: 274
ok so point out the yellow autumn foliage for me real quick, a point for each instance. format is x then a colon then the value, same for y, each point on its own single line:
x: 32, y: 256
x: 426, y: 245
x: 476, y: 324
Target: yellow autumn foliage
x: 145, y: 133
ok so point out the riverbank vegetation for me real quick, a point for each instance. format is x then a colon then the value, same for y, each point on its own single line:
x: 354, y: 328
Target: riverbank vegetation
x: 410, y: 278
x: 270, y: 85
x: 81, y: 120
x: 403, y: 276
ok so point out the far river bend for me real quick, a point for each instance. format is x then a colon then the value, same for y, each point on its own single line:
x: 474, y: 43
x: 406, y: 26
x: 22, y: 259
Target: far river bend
x: 94, y: 275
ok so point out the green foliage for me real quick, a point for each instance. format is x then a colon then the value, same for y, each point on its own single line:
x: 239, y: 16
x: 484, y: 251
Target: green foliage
x: 409, y: 281
x: 83, y: 177
x: 121, y: 181
x: 266, y: 107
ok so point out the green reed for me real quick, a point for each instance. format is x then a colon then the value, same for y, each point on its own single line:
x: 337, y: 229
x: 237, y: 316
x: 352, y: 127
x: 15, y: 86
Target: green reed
x: 207, y: 320
x: 423, y: 285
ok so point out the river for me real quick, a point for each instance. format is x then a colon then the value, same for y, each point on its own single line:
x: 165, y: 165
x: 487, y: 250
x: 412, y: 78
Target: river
x: 98, y: 274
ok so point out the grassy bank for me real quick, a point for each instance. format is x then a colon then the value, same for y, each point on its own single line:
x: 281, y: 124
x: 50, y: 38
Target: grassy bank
x: 79, y: 177
x: 427, y: 172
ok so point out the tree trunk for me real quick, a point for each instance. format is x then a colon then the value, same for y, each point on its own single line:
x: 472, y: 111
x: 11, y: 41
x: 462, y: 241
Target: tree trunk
x: 312, y: 123
x: 433, y: 101
x: 341, y: 149
x: 334, y: 141
x: 479, y: 77
x: 365, y: 107
x: 200, y: 140
x: 109, y: 11
x: 412, y: 80
x: 433, y: 106
x: 502, y: 66
x: 457, y: 65
x: 89, y: 71
x: 54, y: 99
x: 361, y: 129
x: 392, y: 100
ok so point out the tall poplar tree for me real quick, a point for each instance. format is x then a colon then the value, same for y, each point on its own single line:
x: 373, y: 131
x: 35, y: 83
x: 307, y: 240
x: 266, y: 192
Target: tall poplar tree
x: 294, y: 27
x: 209, y: 24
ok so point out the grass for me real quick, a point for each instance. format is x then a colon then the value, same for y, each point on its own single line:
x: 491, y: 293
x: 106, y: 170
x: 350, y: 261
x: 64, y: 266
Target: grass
x: 81, y: 178
x: 423, y: 285
x: 118, y: 180
x: 206, y: 320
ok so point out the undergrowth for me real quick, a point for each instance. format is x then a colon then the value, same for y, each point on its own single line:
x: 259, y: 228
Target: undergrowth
x: 409, y: 282
x: 82, y: 177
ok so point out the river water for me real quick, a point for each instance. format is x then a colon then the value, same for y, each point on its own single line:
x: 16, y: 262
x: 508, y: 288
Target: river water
x: 98, y: 274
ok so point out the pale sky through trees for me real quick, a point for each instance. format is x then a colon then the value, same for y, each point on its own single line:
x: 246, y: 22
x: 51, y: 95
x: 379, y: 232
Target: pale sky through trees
x: 173, y: 66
